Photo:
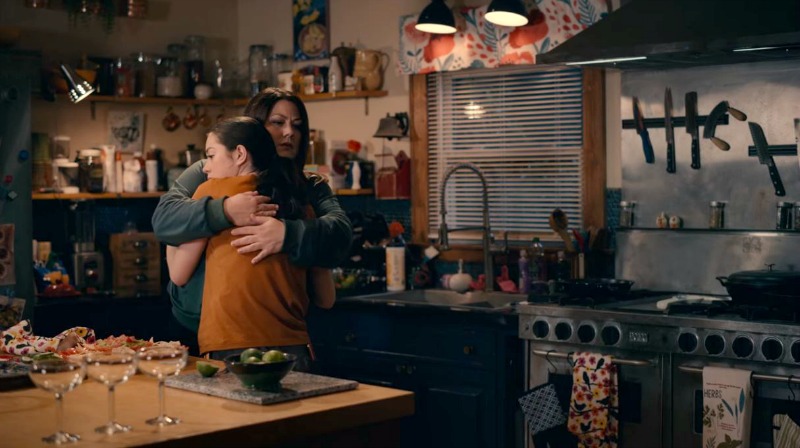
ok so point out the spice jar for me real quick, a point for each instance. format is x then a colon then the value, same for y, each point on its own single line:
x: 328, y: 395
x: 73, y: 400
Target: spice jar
x: 90, y: 171
x: 784, y: 217
x: 716, y: 216
x: 626, y: 214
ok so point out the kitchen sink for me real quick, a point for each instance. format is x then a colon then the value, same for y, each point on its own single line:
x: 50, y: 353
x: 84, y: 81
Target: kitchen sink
x: 473, y: 300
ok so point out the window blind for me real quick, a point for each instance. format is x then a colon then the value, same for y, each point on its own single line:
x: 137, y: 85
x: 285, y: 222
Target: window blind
x: 523, y: 127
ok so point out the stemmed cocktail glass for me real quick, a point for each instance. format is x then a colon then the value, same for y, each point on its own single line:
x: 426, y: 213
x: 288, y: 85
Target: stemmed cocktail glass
x: 161, y: 362
x: 58, y: 376
x: 111, y: 369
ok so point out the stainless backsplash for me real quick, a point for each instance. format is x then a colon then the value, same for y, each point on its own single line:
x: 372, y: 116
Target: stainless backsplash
x: 690, y: 260
x: 769, y: 93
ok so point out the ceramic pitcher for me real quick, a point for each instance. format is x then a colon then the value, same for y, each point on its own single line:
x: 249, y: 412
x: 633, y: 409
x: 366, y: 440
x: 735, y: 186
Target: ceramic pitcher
x: 369, y: 66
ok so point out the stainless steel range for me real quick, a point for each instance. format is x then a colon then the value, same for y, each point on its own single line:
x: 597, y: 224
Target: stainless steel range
x: 661, y: 354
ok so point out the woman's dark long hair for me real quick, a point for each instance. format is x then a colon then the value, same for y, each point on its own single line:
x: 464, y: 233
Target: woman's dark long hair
x: 277, y: 176
x: 260, y: 106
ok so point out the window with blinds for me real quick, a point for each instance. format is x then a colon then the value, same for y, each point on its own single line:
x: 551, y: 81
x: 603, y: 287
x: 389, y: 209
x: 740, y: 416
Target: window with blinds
x: 521, y: 126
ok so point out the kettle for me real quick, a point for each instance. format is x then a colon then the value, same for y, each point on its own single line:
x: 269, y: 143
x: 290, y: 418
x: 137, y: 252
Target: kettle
x: 191, y: 155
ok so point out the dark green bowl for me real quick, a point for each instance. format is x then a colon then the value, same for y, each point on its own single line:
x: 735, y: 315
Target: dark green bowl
x: 265, y: 376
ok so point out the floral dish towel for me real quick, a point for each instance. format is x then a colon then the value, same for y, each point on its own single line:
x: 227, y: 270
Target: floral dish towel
x: 594, y: 406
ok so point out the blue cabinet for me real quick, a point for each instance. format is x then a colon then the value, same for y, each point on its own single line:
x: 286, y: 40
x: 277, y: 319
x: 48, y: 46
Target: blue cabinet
x: 465, y: 369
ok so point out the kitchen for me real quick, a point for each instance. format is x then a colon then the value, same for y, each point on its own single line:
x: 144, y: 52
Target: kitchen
x: 624, y: 174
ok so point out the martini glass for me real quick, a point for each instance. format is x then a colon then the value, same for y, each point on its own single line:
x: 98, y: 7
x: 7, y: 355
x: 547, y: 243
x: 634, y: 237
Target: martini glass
x: 111, y: 370
x: 161, y: 362
x: 58, y: 377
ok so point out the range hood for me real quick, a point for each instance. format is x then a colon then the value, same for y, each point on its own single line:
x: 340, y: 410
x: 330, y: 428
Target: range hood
x: 647, y: 34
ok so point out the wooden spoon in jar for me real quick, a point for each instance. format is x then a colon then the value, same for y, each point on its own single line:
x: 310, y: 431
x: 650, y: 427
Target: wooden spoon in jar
x: 558, y: 222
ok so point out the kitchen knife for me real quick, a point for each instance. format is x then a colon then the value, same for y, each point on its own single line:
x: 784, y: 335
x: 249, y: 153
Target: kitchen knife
x: 649, y: 157
x: 711, y: 125
x: 691, y: 127
x: 766, y: 158
x: 670, y: 131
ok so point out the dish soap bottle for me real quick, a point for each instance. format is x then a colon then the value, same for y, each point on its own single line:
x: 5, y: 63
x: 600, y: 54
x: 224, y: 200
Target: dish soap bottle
x: 396, y: 259
x: 524, y: 273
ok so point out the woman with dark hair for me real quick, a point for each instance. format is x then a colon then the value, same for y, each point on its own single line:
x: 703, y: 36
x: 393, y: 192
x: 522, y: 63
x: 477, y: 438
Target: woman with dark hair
x: 322, y: 242
x: 262, y: 305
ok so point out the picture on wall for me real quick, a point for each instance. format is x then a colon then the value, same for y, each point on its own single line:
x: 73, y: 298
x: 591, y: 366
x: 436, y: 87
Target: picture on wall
x: 310, y: 29
x: 126, y: 130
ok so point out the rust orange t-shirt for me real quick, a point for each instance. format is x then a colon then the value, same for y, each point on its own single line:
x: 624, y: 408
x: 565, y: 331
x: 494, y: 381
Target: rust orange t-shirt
x: 247, y: 305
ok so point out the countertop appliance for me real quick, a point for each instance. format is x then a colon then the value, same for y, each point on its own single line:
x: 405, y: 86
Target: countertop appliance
x: 15, y: 185
x: 661, y: 354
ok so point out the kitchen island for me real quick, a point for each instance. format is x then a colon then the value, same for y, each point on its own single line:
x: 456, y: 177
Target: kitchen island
x: 366, y: 416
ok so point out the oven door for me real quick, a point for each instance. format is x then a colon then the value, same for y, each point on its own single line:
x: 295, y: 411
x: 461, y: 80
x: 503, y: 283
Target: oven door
x: 641, y: 388
x: 772, y: 395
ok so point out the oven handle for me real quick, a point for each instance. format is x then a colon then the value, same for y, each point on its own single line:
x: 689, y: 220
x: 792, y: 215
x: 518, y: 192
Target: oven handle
x: 620, y: 361
x: 756, y: 376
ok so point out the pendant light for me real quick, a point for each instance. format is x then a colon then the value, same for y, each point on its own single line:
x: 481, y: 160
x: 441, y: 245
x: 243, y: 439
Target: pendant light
x: 77, y: 86
x: 507, y: 13
x: 436, y: 18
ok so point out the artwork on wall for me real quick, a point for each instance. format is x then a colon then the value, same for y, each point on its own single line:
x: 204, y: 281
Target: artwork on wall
x: 310, y: 29
x: 126, y: 130
x: 480, y: 44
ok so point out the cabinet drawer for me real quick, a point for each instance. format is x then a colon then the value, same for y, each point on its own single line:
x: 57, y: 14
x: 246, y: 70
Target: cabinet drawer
x: 134, y: 243
x: 455, y: 343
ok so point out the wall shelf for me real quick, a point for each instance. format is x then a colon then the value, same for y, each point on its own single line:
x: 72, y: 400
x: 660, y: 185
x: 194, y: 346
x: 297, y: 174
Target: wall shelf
x: 232, y: 102
x: 87, y: 196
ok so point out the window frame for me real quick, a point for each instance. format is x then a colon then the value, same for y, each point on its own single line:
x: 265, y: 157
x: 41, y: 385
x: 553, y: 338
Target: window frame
x: 593, y: 170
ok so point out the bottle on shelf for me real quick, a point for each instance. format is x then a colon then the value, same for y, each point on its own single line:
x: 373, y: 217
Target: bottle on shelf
x: 537, y: 267
x: 335, y: 81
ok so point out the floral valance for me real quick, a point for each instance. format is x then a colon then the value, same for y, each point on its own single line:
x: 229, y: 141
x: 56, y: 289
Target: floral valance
x: 479, y: 43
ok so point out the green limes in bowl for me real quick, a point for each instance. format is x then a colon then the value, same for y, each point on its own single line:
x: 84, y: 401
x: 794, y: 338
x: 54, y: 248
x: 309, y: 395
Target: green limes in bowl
x: 206, y: 369
x: 274, y: 356
x: 250, y: 353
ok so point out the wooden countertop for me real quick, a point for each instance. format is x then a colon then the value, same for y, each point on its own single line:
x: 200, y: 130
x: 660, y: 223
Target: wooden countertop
x: 29, y: 414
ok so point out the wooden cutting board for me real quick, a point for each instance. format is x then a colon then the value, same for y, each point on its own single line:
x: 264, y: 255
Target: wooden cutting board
x: 295, y: 385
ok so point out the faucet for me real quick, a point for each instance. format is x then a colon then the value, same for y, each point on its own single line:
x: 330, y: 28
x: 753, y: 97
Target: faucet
x: 443, y: 230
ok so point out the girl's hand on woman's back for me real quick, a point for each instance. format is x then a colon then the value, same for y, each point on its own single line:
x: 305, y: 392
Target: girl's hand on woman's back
x: 241, y: 209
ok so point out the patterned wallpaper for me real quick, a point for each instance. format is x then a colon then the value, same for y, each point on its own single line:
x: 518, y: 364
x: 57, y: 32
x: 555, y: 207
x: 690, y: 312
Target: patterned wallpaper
x: 478, y: 43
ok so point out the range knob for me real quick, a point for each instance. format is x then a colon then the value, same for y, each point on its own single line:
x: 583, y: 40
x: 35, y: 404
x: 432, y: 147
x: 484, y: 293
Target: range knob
x: 715, y: 344
x: 563, y: 331
x: 541, y: 329
x: 610, y: 335
x: 796, y: 351
x: 772, y: 349
x: 687, y: 342
x: 742, y: 346
x: 586, y: 333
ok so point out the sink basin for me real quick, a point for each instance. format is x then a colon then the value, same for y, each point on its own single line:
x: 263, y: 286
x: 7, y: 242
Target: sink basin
x: 478, y: 300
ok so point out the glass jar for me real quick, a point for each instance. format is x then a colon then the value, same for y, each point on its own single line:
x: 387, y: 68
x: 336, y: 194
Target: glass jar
x: 90, y: 171
x: 144, y: 72
x: 627, y: 217
x: 716, y: 215
x: 169, y: 82
x: 124, y: 78
x: 178, y: 52
x: 195, y: 55
x: 279, y: 63
x: 784, y: 216
x: 259, y: 67
x: 797, y: 216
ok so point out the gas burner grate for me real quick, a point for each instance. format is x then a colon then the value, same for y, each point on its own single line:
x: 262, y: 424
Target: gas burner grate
x: 747, y: 312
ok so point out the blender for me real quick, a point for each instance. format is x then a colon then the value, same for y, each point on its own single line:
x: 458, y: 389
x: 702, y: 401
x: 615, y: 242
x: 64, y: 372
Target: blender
x: 87, y: 263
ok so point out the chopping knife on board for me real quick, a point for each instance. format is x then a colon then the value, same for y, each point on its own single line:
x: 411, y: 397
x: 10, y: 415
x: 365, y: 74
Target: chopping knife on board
x: 766, y: 158
x: 649, y: 157
x: 691, y: 127
x: 670, y: 131
x: 711, y: 123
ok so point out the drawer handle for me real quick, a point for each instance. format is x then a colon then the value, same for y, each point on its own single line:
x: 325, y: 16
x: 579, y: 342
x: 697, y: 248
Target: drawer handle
x: 141, y: 278
x: 350, y: 337
x: 139, y: 261
x: 568, y: 356
x: 141, y: 244
x: 468, y: 349
x: 402, y: 368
